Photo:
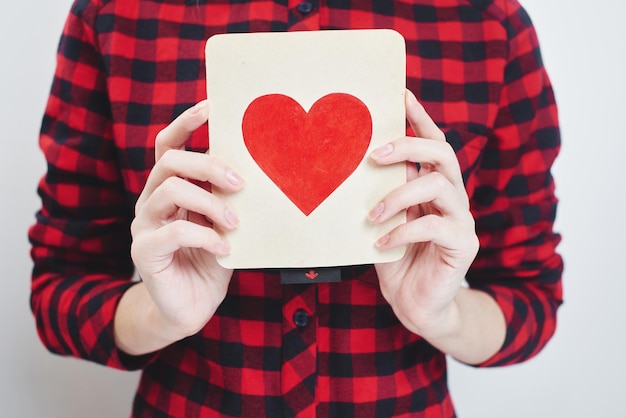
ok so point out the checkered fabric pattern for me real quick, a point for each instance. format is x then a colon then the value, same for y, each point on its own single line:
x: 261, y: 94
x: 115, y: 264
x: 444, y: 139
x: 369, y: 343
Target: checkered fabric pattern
x: 126, y: 68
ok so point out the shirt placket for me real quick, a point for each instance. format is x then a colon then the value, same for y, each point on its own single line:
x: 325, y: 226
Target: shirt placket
x: 299, y: 354
x: 303, y: 15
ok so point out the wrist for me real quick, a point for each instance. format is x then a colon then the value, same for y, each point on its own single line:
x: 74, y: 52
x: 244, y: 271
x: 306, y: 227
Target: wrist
x: 434, y: 326
x: 163, y: 328
x: 471, y: 329
x: 140, y: 327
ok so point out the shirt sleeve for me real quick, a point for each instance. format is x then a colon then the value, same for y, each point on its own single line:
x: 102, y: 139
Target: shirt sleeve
x: 81, y: 240
x: 513, y: 200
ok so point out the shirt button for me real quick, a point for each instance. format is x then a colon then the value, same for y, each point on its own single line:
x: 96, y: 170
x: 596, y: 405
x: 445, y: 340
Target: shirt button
x: 305, y: 7
x: 301, y: 318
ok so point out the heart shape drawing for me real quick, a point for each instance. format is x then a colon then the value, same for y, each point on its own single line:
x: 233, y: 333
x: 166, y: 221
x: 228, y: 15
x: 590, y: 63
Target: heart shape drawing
x: 308, y: 155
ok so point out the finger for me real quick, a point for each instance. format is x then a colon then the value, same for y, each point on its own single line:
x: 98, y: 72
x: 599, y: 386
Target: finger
x: 453, y: 236
x: 166, y: 240
x: 432, y: 188
x: 176, y: 134
x: 176, y: 193
x: 190, y: 165
x: 194, y: 166
x: 439, y: 155
x: 419, y: 120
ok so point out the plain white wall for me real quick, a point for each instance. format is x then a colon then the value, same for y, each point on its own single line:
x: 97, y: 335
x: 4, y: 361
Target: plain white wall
x: 579, y: 375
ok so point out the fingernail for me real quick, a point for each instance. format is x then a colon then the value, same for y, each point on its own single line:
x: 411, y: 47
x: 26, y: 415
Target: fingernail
x: 231, y: 218
x: 410, y: 96
x: 198, y: 107
x: 233, y: 178
x: 383, y: 241
x: 383, y: 151
x: 224, y: 247
x: 377, y: 212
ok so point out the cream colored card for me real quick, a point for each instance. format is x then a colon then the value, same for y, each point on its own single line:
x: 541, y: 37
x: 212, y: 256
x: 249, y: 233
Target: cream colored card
x: 297, y: 114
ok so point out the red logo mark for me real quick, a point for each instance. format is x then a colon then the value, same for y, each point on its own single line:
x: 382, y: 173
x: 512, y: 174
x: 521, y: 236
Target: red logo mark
x: 311, y: 274
x: 307, y: 154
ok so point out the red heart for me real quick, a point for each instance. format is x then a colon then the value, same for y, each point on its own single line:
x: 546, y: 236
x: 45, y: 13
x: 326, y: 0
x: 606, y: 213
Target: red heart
x: 307, y: 155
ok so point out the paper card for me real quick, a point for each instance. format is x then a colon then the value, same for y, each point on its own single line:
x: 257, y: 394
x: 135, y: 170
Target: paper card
x: 296, y: 115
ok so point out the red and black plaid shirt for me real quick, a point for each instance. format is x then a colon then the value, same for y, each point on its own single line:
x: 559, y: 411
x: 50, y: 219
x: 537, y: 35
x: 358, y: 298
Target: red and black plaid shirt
x: 126, y: 68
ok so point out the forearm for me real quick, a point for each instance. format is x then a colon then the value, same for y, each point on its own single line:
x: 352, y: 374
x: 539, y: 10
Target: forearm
x: 471, y: 330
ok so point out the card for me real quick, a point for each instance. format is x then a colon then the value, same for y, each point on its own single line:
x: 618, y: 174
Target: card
x: 296, y: 114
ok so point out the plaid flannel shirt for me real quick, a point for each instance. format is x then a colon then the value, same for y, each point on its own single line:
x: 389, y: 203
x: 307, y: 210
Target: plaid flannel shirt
x: 126, y: 68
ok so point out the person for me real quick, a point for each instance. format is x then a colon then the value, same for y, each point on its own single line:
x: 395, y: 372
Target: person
x: 128, y: 187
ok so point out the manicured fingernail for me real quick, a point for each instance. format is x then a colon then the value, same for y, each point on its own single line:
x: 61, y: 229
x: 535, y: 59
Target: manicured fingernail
x: 383, y: 151
x: 410, y: 96
x: 198, y: 107
x: 383, y: 241
x: 377, y: 212
x: 233, y: 178
x: 231, y: 218
x: 224, y: 247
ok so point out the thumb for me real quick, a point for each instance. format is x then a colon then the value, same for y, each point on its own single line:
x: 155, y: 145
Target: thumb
x: 421, y: 123
x: 177, y: 133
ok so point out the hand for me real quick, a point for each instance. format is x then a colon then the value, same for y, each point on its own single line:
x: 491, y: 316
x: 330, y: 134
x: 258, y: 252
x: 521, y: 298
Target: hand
x: 422, y: 286
x: 174, y: 244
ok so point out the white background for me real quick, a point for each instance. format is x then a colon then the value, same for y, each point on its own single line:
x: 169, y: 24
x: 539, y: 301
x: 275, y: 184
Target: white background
x: 580, y: 374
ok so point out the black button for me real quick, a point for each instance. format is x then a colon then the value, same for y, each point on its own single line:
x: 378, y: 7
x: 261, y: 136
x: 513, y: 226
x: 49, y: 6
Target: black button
x: 301, y: 318
x: 305, y: 7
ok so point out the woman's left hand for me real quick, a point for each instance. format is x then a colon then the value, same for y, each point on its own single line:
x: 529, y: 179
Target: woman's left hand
x: 439, y: 233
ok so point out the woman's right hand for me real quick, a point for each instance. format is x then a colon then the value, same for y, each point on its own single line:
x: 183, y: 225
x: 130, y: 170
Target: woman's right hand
x: 174, y: 244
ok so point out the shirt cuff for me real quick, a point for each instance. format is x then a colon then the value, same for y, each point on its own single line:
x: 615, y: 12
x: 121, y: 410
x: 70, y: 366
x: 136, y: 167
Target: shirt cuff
x: 530, y: 318
x: 97, y: 331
